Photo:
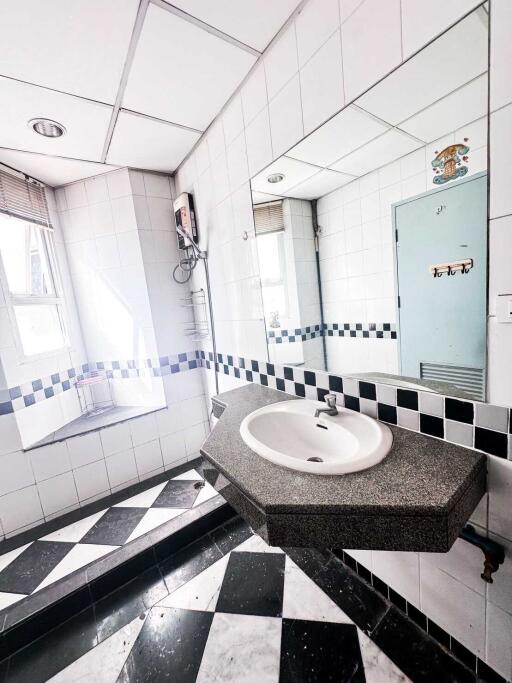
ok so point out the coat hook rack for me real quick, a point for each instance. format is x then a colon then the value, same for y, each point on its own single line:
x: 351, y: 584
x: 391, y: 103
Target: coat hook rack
x: 452, y: 268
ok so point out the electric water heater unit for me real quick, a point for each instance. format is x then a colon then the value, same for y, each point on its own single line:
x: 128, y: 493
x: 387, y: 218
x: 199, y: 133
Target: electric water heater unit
x: 186, y: 224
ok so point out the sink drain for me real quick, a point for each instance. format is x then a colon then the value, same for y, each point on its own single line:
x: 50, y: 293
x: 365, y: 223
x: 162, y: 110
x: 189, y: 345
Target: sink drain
x: 315, y: 459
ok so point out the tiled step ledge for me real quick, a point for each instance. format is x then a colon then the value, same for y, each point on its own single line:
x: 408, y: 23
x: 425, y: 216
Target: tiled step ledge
x: 30, y: 618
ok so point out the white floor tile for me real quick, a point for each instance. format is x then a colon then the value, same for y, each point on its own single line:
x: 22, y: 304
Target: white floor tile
x: 256, y: 544
x: 7, y: 558
x: 303, y: 599
x: 205, y: 493
x: 144, y: 499
x: 377, y: 666
x: 242, y: 649
x: 188, y: 476
x: 104, y: 662
x: 201, y: 592
x: 77, y: 557
x: 154, y: 517
x: 7, y: 599
x: 73, y: 533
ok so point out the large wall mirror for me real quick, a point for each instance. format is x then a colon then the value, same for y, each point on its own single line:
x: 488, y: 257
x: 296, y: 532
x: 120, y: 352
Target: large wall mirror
x: 372, y: 231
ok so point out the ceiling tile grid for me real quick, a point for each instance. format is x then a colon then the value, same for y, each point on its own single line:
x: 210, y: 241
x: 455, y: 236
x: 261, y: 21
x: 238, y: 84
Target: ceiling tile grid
x: 134, y: 82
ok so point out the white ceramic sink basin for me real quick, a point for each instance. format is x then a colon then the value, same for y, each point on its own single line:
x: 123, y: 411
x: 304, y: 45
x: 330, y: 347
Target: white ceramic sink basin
x: 289, y: 434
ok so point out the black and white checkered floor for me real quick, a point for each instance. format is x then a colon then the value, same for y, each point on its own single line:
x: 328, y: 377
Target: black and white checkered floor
x: 29, y: 568
x: 251, y: 616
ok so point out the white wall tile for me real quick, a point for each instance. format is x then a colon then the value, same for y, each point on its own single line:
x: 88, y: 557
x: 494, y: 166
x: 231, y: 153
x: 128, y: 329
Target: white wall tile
x: 84, y: 449
x: 143, y: 429
x: 96, y: 189
x: 501, y: 162
x: 119, y: 183
x: 20, y: 509
x: 499, y: 652
x: 173, y: 448
x: 157, y: 185
x: 400, y: 571
x: 116, y: 438
x: 501, y: 53
x: 281, y: 61
x: 10, y: 440
x: 254, y: 93
x: 500, y: 494
x: 316, y: 22
x: 194, y: 438
x: 15, y: 472
x: 148, y: 457
x: 322, y: 84
x: 285, y: 112
x: 258, y: 140
x: 58, y: 493
x: 500, y: 248
x: 91, y: 480
x: 121, y: 467
x: 371, y: 42
x: 48, y: 461
x: 232, y: 121
x: 453, y: 606
x: 76, y: 195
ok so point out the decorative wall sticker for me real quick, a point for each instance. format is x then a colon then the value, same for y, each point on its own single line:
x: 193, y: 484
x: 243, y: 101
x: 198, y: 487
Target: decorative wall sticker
x: 448, y: 163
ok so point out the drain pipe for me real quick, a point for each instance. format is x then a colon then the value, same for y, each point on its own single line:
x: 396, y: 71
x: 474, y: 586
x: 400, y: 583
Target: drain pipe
x: 494, y: 553
x: 316, y: 231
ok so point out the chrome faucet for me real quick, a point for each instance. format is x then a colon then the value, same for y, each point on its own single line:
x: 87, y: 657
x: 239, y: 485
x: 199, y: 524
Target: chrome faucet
x: 331, y: 409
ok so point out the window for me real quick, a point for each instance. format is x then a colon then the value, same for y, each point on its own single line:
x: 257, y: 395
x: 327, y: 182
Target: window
x: 269, y: 225
x: 29, y: 268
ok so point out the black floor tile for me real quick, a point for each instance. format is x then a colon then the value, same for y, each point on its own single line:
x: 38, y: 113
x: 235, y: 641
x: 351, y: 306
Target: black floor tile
x: 25, y: 573
x: 114, y: 527
x: 169, y: 647
x: 131, y: 600
x: 317, y: 652
x: 178, y: 494
x: 188, y: 562
x: 231, y: 534
x: 54, y: 651
x: 253, y: 584
x: 416, y: 654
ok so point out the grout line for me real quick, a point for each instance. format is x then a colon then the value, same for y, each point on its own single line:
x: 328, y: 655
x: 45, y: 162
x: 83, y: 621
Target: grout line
x: 136, y: 33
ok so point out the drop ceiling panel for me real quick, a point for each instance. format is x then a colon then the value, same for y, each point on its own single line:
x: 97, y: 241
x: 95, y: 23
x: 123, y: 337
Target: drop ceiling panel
x: 448, y: 63
x: 182, y: 73
x: 452, y: 112
x: 344, y: 133
x: 86, y: 122
x: 379, y: 152
x: 253, y: 22
x: 319, y: 185
x: 71, y: 45
x: 262, y: 197
x: 145, y: 143
x: 294, y: 172
x: 52, y: 170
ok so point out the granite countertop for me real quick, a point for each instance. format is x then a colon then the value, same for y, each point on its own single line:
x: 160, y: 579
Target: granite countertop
x: 420, y: 475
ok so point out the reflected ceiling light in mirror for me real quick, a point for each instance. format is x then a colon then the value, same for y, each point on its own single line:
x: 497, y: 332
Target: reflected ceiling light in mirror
x: 275, y: 178
x: 47, y: 128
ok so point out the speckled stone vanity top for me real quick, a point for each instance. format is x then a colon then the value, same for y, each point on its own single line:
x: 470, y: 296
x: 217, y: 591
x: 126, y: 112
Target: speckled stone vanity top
x: 418, y: 498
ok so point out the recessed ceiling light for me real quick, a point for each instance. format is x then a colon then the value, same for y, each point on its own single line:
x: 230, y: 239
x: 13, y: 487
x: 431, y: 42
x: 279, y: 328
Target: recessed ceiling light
x: 275, y: 178
x: 47, y: 127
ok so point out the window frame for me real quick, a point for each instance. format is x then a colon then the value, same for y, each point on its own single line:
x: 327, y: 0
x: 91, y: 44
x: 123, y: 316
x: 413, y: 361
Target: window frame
x: 56, y: 299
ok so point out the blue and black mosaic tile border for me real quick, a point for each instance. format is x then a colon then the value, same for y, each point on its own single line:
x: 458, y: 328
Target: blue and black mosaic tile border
x: 482, y: 426
x: 27, y: 394
x: 359, y: 330
x: 298, y: 334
